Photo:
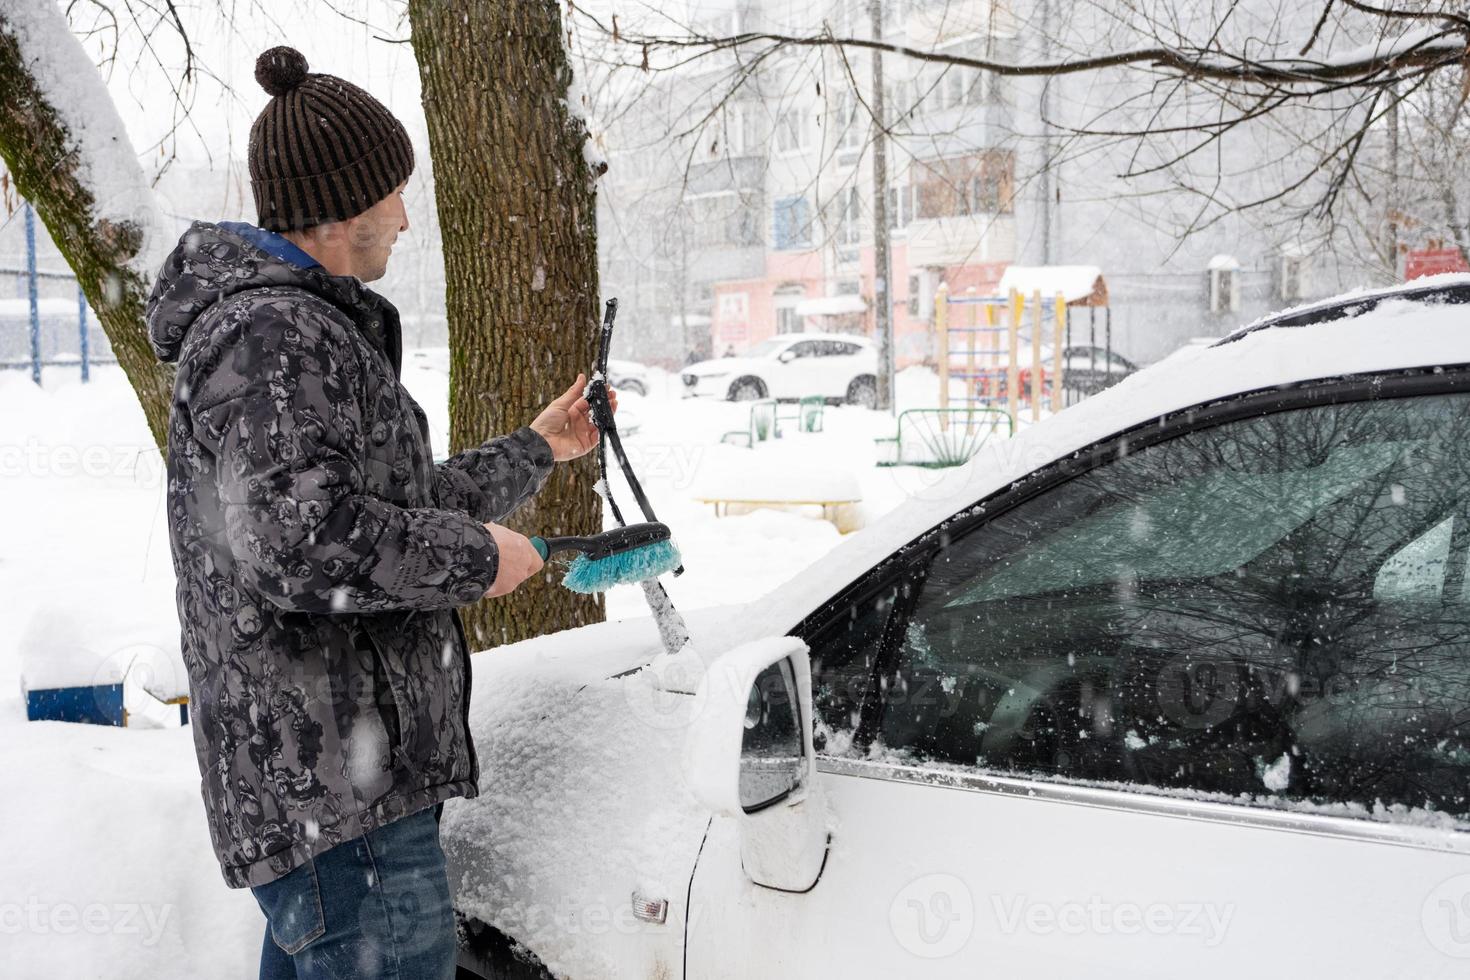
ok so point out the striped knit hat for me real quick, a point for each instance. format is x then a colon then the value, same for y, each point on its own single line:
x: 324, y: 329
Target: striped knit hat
x: 322, y: 149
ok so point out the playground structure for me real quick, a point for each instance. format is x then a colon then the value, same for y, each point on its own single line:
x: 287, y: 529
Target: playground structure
x: 983, y: 340
x: 49, y: 313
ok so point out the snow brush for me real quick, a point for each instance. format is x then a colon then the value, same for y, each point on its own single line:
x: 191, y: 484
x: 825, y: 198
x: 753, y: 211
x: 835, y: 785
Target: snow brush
x: 629, y: 554
x: 672, y: 631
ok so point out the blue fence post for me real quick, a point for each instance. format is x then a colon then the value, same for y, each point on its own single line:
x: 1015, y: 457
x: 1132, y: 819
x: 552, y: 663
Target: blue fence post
x: 31, y: 289
x: 82, y: 320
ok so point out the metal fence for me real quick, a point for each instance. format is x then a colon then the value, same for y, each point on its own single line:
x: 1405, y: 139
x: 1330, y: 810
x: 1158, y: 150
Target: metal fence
x: 37, y: 331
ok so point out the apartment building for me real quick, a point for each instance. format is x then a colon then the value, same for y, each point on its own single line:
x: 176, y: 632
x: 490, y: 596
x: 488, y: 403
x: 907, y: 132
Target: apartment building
x: 764, y: 224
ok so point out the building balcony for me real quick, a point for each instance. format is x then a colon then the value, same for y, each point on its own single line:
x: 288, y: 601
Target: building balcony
x: 962, y: 240
x: 741, y: 174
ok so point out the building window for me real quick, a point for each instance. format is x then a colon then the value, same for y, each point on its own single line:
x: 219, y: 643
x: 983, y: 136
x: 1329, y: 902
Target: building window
x: 725, y: 219
x: 974, y: 184
x: 1224, y: 284
x: 743, y: 129
x: 939, y: 88
x: 792, y: 127
x: 987, y: 193
x: 995, y: 88
x: 845, y: 120
x: 849, y: 227
x: 1293, y: 284
x: 787, y: 320
x: 900, y: 206
x: 915, y: 288
x: 793, y: 223
x: 952, y: 91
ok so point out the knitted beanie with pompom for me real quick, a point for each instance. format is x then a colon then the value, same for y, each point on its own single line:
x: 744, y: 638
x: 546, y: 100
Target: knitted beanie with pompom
x: 322, y: 149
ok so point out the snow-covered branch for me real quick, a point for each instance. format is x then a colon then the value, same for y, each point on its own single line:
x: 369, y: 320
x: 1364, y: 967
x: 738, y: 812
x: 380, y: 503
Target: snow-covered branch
x: 68, y: 153
x: 1420, y: 48
x: 85, y: 142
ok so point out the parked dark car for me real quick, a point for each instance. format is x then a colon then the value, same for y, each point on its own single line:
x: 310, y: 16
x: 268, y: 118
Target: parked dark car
x: 1088, y: 370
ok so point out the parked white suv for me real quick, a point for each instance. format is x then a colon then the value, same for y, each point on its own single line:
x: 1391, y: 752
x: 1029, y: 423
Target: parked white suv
x: 1173, y: 683
x: 837, y: 367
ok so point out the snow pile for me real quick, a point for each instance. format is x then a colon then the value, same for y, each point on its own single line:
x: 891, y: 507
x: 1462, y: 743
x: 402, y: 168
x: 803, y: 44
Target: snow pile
x: 106, y: 162
x: 108, y: 866
x: 127, y: 631
x: 768, y: 477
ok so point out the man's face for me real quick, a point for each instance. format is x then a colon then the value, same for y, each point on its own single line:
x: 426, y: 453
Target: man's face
x: 370, y: 235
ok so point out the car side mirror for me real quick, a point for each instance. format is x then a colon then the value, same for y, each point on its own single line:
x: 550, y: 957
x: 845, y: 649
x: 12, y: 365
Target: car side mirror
x: 786, y: 356
x: 750, y: 759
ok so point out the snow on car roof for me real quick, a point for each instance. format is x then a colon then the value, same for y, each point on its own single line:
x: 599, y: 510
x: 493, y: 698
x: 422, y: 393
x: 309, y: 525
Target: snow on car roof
x: 1446, y: 287
x: 816, y: 335
x: 1398, y: 333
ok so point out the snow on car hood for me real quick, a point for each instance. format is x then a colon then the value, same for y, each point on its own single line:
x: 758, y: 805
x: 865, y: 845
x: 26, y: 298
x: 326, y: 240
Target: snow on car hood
x: 582, y: 795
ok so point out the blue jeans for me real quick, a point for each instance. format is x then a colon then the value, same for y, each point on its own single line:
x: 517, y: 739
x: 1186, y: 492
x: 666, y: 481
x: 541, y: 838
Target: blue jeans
x: 377, y: 906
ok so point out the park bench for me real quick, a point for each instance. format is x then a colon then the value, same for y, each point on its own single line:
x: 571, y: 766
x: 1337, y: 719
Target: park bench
x: 806, y: 413
x: 784, y: 486
x: 762, y: 425
x: 939, y: 437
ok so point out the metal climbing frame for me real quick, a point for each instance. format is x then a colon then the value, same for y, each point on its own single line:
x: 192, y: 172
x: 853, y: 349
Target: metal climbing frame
x: 980, y: 343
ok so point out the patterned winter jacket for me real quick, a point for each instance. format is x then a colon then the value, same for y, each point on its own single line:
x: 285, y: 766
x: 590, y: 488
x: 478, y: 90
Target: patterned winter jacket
x: 320, y: 554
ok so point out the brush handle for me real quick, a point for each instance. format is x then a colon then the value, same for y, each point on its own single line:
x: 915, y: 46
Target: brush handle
x: 545, y: 547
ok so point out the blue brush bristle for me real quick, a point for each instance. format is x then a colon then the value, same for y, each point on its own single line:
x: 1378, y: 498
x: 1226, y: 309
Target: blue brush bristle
x: 587, y: 575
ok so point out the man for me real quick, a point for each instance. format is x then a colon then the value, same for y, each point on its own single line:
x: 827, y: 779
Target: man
x: 319, y: 550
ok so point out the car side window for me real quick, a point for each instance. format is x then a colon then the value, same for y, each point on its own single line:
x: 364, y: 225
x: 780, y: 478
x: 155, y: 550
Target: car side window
x: 844, y: 653
x: 807, y: 348
x: 1272, y: 609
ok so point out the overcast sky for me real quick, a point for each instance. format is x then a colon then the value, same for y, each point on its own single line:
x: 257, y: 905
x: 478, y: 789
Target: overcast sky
x: 226, y: 38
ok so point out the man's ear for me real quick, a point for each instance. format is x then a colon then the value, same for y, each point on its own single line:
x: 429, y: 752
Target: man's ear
x: 327, y: 231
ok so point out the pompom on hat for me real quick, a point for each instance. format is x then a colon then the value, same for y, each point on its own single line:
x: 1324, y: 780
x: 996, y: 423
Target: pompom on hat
x: 322, y: 149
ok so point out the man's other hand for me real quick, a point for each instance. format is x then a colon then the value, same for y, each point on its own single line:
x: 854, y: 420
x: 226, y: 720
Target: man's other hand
x: 519, y: 560
x: 566, y: 424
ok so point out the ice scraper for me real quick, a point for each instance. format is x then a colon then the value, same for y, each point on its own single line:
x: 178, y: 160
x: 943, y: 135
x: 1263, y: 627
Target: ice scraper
x: 633, y: 553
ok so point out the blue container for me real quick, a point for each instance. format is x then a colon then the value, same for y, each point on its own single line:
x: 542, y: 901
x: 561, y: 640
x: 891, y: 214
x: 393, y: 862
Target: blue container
x: 101, y: 704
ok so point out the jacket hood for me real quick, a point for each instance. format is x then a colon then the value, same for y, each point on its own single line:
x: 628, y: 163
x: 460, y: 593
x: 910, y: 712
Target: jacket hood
x: 212, y: 263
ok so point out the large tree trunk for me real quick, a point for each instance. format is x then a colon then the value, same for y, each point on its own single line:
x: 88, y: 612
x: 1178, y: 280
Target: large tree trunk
x: 57, y: 155
x: 518, y: 220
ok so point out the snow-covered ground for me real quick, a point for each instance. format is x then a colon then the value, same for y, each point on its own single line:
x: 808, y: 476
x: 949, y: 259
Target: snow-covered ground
x: 107, y: 853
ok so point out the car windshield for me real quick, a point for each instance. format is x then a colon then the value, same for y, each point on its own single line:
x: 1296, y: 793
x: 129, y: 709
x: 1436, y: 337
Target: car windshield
x: 1202, y: 526
x: 767, y: 347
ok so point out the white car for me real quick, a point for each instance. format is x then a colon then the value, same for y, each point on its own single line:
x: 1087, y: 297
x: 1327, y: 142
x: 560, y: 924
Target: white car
x: 837, y: 367
x: 628, y: 376
x: 1174, y: 683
